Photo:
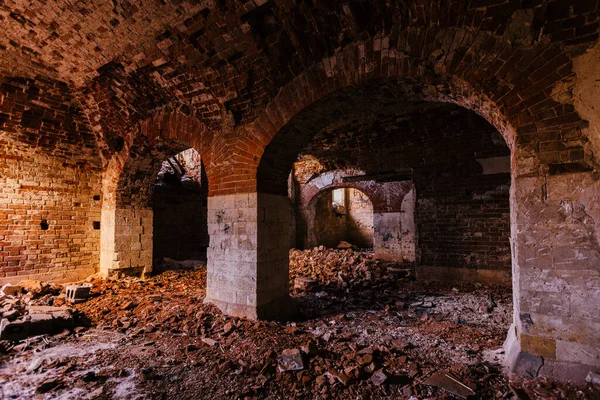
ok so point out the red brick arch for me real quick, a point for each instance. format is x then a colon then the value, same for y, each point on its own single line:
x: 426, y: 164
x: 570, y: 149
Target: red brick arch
x: 509, y: 86
x: 127, y: 214
x: 134, y: 168
x: 385, y: 197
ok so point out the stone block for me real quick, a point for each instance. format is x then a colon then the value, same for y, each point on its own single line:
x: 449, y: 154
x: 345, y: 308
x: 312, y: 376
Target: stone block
x: 537, y: 345
x: 583, y: 353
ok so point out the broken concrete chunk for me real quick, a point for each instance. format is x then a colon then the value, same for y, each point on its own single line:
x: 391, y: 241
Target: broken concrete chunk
x: 379, y: 377
x: 445, y: 381
x: 210, y: 342
x: 593, y: 377
x: 10, y: 290
x: 78, y: 293
x: 290, y: 360
x: 41, y: 320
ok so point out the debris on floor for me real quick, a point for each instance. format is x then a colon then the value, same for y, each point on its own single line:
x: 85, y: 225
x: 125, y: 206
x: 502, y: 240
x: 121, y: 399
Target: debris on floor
x: 78, y: 293
x: 33, y: 308
x: 39, y: 320
x: 366, y: 329
x: 444, y: 380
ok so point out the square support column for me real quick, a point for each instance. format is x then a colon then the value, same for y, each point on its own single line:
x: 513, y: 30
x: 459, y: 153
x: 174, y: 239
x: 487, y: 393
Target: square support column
x: 126, y: 241
x: 248, y: 256
x: 556, y: 276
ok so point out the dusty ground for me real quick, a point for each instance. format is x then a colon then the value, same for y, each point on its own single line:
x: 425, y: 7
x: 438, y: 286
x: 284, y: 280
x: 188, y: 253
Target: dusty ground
x: 156, y: 339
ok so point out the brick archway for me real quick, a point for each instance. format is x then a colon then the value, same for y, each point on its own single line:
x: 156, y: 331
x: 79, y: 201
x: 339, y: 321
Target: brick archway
x: 394, y: 236
x: 127, y: 214
x: 510, y: 87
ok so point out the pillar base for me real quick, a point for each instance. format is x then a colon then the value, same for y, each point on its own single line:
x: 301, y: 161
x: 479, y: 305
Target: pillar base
x: 282, y: 309
x: 527, y: 365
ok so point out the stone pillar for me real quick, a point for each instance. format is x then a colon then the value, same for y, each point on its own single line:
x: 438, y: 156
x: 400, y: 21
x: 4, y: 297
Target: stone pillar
x: 126, y: 241
x: 307, y: 237
x: 556, y: 275
x: 394, y: 233
x: 248, y: 256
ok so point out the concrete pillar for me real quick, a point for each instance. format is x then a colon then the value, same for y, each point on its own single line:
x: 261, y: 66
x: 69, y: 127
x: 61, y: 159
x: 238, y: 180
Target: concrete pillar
x: 394, y: 233
x: 248, y: 256
x: 556, y: 275
x: 126, y: 241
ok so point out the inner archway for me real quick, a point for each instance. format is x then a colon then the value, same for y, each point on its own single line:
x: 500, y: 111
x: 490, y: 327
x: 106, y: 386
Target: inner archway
x: 439, y: 173
x: 180, y: 210
x: 343, y: 215
x: 442, y: 164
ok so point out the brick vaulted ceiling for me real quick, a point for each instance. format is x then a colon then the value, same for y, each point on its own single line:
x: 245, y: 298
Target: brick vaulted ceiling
x: 227, y: 59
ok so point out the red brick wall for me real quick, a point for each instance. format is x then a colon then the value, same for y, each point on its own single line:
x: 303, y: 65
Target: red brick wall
x: 50, y: 184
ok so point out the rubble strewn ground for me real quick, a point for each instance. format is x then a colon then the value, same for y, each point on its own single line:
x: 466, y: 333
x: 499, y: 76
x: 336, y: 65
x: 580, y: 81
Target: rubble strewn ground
x: 364, y: 330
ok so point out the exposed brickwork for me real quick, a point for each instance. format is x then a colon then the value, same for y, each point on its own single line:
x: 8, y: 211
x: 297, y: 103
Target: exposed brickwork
x: 236, y: 63
x: 233, y: 80
x: 50, y: 192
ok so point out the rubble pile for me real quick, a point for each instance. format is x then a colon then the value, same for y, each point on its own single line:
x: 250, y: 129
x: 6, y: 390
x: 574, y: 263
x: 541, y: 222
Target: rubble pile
x: 33, y: 308
x: 339, y: 268
x: 366, y: 331
x: 168, y: 302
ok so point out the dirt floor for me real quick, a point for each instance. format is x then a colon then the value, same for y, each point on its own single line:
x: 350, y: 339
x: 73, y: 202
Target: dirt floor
x: 363, y: 330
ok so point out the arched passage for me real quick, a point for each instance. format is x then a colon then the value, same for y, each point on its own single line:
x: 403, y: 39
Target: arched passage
x: 129, y: 182
x: 179, y: 207
x: 515, y: 98
x: 394, y: 234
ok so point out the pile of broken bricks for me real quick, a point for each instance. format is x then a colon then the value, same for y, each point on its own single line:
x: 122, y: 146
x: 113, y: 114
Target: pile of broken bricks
x: 343, y: 268
x: 368, y: 331
x: 33, y: 308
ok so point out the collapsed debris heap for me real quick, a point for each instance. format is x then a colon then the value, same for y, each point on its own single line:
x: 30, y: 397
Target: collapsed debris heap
x: 339, y: 268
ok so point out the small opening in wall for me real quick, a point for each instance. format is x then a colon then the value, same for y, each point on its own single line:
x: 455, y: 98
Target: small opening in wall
x: 44, y: 225
x: 96, y: 225
x: 97, y: 197
x: 338, y: 201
